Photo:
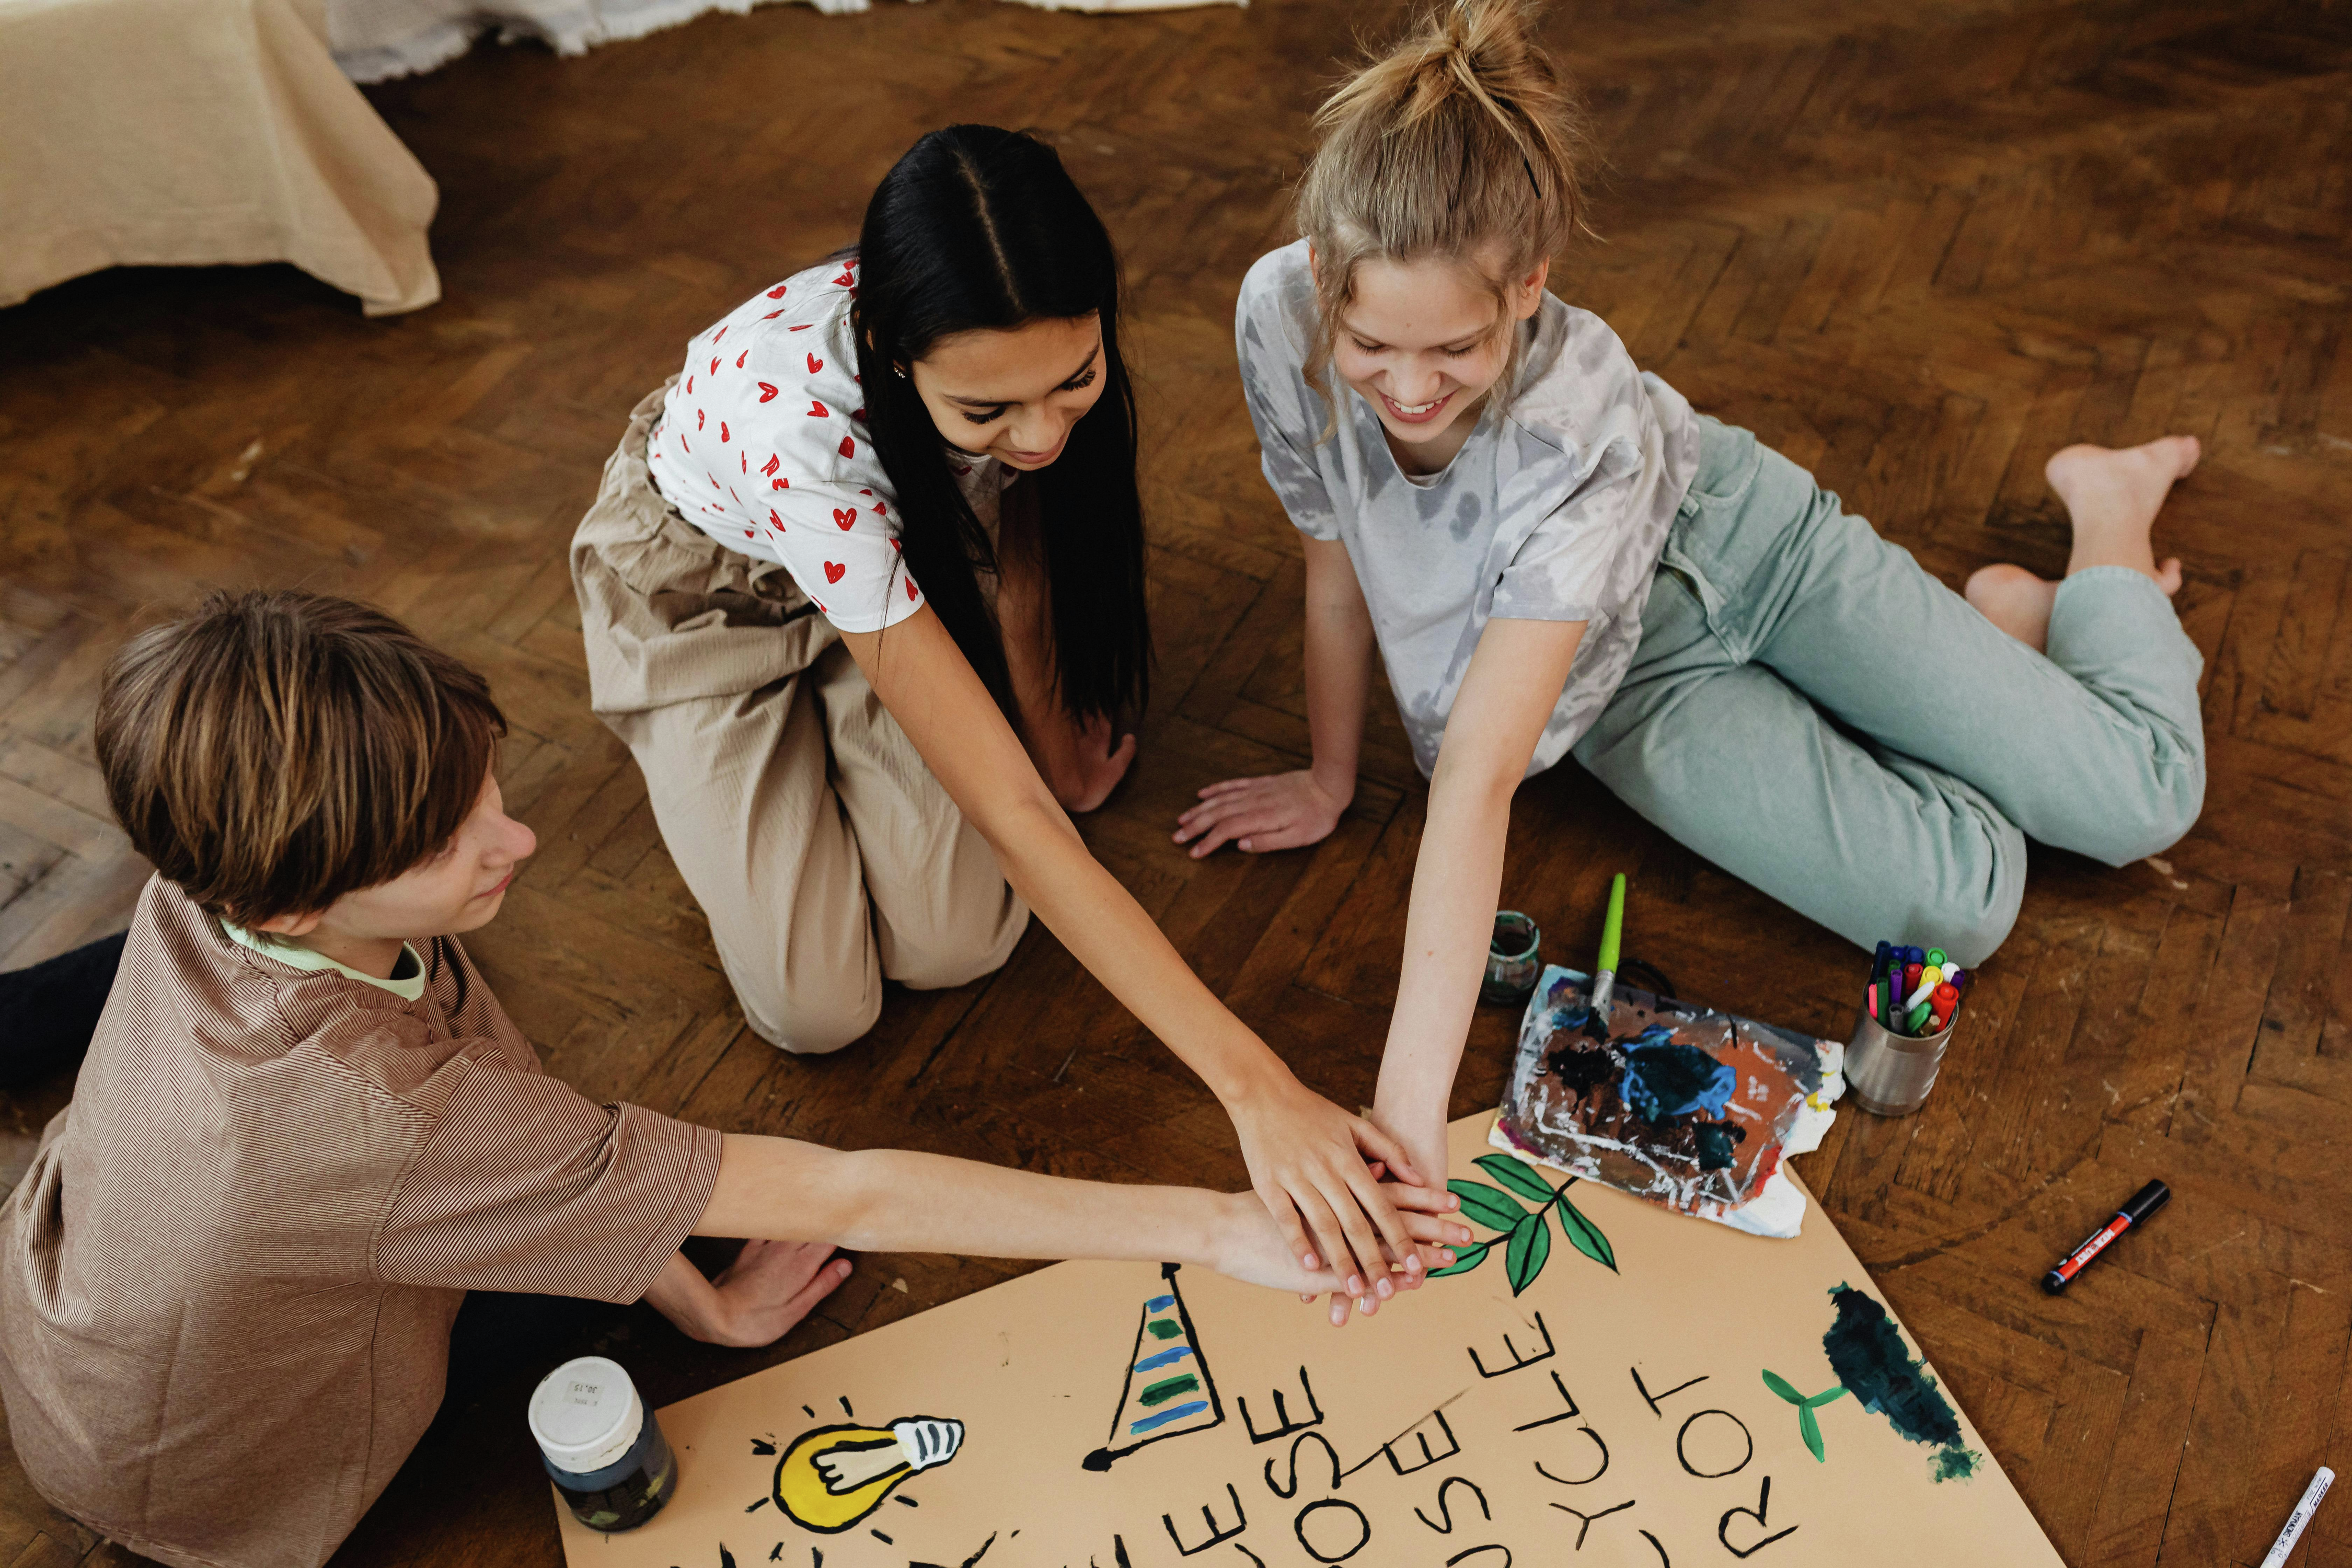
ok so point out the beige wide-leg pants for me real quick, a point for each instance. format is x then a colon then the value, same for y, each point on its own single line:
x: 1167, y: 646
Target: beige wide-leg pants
x: 806, y: 823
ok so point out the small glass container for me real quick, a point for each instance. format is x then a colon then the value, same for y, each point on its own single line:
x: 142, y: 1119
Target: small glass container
x: 1512, y: 960
x: 603, y: 1448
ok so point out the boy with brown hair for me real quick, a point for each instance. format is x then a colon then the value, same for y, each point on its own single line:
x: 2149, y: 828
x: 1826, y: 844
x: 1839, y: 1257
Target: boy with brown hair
x: 305, y: 1127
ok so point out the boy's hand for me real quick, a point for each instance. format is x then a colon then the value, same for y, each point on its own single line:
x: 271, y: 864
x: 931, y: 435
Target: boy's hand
x: 757, y: 1300
x: 1251, y: 1248
x: 1279, y: 811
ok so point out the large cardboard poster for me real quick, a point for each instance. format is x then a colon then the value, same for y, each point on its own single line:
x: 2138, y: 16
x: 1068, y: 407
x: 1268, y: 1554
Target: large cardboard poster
x: 1607, y: 1384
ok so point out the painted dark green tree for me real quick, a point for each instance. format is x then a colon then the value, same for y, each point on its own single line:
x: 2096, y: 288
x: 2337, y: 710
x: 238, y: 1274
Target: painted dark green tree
x: 1522, y: 1232
x: 1866, y: 1352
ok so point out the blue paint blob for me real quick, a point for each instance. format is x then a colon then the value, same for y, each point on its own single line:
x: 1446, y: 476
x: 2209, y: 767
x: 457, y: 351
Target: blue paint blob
x: 1666, y: 1079
x: 1867, y: 1353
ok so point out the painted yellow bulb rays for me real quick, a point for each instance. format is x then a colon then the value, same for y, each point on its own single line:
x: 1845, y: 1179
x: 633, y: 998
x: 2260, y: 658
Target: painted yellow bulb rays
x: 832, y: 1477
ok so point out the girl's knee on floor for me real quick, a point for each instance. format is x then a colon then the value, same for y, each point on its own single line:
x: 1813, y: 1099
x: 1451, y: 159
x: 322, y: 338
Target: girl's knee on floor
x: 2145, y: 822
x: 1973, y: 913
x: 816, y: 1025
x: 955, y: 951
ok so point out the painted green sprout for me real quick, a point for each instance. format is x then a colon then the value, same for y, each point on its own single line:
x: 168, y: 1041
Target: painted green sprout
x: 1807, y: 1427
x: 1526, y: 1238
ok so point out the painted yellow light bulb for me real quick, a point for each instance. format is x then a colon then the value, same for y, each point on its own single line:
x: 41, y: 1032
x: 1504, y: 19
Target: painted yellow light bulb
x: 834, y: 1475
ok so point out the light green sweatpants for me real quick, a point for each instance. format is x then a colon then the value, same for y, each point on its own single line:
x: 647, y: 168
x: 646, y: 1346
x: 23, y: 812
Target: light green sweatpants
x: 1813, y: 712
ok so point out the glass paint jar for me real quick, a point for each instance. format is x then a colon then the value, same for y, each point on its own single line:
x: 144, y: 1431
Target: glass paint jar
x: 602, y: 1448
x: 1512, y: 960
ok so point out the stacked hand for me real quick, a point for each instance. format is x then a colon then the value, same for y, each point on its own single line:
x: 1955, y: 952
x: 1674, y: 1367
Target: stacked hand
x: 1319, y: 1172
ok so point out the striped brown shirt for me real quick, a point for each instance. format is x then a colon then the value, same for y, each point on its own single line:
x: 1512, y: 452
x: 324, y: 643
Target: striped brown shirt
x: 227, y: 1282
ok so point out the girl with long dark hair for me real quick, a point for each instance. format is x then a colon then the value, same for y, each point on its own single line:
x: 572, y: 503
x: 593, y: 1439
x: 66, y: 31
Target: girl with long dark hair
x: 863, y: 593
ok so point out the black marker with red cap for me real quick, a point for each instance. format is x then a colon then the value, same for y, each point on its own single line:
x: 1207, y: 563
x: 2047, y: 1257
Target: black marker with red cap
x: 2144, y: 1203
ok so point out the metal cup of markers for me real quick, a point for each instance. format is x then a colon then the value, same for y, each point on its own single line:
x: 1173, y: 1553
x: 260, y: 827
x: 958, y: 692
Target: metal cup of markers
x: 1889, y: 1074
x: 1512, y: 960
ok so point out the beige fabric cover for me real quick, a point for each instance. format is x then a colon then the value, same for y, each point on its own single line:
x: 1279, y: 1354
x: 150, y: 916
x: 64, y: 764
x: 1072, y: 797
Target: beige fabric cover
x: 169, y: 132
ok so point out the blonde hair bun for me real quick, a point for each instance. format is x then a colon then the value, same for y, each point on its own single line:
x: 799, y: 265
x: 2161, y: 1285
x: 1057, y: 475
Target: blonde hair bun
x: 1462, y: 140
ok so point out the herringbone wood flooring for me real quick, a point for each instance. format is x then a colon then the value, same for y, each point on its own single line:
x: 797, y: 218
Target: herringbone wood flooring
x: 1918, y: 249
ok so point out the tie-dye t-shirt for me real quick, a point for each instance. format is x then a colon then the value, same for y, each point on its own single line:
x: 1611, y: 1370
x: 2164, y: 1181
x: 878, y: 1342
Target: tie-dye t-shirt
x: 1554, y: 509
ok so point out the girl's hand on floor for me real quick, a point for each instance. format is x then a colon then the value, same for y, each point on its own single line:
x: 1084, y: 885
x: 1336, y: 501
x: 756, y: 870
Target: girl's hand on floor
x: 768, y: 1289
x: 1312, y: 1166
x: 1081, y: 764
x: 1279, y: 811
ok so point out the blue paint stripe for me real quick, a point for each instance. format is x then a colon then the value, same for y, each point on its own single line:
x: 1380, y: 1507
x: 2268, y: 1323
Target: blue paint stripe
x: 1164, y: 1358
x: 1159, y: 1303
x: 1165, y: 1417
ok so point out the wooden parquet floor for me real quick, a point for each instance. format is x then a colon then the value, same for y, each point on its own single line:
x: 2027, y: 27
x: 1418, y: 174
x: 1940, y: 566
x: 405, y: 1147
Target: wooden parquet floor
x: 1917, y: 247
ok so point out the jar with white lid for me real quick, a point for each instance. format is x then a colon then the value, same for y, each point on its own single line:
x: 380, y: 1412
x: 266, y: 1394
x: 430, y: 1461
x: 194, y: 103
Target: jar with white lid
x: 603, y: 1448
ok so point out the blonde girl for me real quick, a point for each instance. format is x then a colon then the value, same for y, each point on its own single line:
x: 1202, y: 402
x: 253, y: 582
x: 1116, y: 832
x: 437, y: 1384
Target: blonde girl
x: 1555, y: 555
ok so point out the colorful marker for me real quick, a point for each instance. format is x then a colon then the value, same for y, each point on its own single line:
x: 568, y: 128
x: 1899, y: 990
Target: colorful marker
x: 2283, y: 1547
x: 2143, y: 1203
x: 1935, y: 956
x: 1947, y: 997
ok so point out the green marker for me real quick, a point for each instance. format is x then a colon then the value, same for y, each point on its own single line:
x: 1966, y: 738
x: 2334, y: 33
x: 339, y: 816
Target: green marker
x: 1605, y: 972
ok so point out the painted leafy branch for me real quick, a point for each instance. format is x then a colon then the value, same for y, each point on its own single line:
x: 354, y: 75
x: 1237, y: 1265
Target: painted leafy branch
x: 1524, y: 1238
x: 1807, y: 1427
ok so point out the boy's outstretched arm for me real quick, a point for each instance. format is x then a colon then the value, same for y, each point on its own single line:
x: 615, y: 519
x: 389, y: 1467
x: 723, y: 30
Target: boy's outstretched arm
x: 896, y: 1200
x: 1283, y: 811
x: 1513, y: 685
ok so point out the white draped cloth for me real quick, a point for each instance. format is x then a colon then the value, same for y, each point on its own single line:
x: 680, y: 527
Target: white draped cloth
x: 375, y: 40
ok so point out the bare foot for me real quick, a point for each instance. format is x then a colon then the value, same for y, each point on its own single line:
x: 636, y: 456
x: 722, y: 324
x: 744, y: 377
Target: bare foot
x: 2112, y: 496
x: 2016, y: 601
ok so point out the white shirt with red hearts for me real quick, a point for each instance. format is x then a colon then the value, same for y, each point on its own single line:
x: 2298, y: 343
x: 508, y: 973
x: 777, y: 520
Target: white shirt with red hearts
x: 763, y: 446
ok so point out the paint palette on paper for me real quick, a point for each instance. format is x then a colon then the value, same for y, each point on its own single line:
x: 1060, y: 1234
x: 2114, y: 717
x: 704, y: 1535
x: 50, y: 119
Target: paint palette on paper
x: 1634, y: 1389
x: 1677, y: 1103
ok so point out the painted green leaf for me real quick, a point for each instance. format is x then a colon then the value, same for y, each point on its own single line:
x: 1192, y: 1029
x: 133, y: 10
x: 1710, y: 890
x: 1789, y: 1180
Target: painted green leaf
x: 1810, y: 1430
x: 1585, y: 1236
x: 1818, y: 1400
x: 1495, y: 1211
x: 1781, y: 1387
x: 1465, y: 1259
x: 1516, y: 1175
x: 1530, y: 1246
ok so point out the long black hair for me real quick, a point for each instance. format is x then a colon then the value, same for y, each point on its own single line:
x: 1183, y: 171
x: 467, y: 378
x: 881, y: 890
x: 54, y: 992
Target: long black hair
x: 978, y: 228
